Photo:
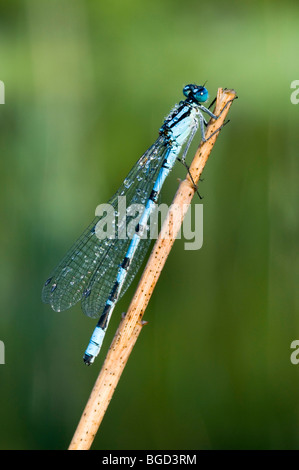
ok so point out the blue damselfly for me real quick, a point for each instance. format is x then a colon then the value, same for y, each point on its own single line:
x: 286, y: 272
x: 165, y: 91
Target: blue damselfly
x: 98, y: 272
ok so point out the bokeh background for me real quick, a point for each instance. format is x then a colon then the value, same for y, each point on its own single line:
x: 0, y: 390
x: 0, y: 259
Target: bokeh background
x: 87, y: 85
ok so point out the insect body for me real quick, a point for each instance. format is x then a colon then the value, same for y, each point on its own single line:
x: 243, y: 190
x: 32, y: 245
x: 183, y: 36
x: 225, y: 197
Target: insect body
x: 98, y: 272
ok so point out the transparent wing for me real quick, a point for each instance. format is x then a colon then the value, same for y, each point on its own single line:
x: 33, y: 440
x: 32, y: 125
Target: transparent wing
x: 104, y: 277
x: 89, y: 269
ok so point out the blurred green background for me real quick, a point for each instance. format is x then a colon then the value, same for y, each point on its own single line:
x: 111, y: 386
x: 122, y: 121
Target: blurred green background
x: 87, y: 85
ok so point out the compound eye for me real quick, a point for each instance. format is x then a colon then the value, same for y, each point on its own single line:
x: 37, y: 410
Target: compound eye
x: 187, y: 90
x: 201, y: 95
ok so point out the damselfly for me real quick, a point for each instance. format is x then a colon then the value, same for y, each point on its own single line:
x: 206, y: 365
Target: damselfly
x: 98, y: 272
